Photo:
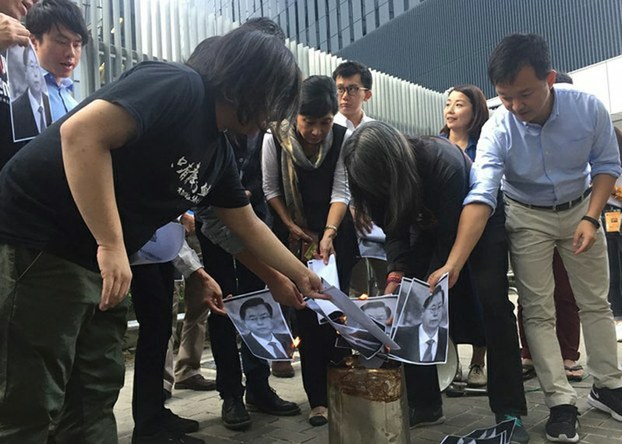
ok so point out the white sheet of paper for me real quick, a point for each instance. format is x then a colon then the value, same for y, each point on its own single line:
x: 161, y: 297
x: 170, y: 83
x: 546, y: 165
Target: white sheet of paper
x: 327, y: 272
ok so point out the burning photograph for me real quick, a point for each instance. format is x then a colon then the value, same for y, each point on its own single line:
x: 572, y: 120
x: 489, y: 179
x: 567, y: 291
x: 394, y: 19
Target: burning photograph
x: 381, y: 310
x: 260, y: 322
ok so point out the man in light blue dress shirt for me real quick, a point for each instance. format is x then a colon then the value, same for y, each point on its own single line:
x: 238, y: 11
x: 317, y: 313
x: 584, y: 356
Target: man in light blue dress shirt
x: 58, y: 37
x: 545, y: 147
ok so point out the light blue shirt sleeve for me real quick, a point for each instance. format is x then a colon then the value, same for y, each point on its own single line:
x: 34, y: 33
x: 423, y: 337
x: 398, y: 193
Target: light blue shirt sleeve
x: 605, y: 154
x: 489, y: 165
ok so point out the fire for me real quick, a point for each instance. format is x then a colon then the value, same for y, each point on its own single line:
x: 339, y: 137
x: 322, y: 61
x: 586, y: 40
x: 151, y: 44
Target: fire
x: 296, y: 342
x: 363, y: 297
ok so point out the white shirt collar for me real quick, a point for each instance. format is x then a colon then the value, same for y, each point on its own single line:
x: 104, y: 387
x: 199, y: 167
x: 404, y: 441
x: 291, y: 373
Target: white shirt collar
x: 342, y: 120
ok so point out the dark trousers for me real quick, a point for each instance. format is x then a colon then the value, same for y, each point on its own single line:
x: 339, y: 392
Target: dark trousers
x: 152, y: 295
x: 317, y: 352
x: 487, y: 275
x: 614, y: 250
x: 60, y: 356
x: 233, y: 278
x: 567, y: 325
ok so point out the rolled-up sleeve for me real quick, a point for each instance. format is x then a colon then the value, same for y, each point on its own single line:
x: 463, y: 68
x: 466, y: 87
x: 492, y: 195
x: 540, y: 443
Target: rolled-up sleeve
x: 488, y: 169
x: 187, y: 261
x: 605, y: 154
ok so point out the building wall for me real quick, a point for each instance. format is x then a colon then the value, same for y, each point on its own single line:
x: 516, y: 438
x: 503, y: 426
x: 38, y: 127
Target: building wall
x: 445, y: 42
x: 329, y: 25
x: 127, y: 32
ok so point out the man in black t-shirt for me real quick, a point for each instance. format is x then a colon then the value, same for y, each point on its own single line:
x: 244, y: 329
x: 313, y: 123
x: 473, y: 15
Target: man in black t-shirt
x: 100, y: 181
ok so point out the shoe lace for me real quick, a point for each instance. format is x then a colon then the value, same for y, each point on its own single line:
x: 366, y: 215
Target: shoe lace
x: 518, y: 422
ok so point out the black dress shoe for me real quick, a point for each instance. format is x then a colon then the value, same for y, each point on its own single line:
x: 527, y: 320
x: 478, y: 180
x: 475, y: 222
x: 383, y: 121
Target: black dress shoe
x: 268, y: 401
x: 234, y: 415
x: 196, y: 382
x: 166, y: 437
x: 421, y: 418
x: 171, y: 422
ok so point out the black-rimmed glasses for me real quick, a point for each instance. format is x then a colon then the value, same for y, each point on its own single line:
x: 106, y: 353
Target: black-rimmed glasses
x: 352, y: 90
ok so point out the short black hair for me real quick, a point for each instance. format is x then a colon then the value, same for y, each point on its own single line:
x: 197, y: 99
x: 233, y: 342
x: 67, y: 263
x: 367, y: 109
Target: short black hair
x: 516, y: 51
x: 254, y: 302
x: 352, y: 68
x: 318, y: 97
x: 428, y: 300
x: 563, y: 77
x: 254, y: 72
x: 46, y: 14
x: 267, y: 26
x: 376, y: 304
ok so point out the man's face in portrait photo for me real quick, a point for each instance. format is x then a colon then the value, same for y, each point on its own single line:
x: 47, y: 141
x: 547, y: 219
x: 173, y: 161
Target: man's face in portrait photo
x: 432, y: 313
x: 33, y: 74
x: 259, y: 321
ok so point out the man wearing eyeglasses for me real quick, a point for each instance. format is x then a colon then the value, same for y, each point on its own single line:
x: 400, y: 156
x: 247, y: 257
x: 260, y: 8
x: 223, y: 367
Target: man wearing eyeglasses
x: 353, y: 81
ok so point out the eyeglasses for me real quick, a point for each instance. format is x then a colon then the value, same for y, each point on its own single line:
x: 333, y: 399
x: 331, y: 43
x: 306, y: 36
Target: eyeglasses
x: 352, y: 90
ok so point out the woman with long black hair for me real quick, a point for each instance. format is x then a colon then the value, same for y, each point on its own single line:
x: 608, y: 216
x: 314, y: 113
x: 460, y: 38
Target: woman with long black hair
x: 413, y: 188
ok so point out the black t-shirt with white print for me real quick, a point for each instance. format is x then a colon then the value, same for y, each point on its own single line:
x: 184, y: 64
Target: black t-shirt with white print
x: 176, y: 161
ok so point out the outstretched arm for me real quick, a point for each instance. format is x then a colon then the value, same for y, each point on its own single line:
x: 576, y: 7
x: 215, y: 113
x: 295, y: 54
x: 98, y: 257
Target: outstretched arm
x: 473, y: 220
x: 265, y: 247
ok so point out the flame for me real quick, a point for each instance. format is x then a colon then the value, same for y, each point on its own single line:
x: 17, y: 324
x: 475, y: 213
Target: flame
x: 296, y: 342
x: 363, y: 297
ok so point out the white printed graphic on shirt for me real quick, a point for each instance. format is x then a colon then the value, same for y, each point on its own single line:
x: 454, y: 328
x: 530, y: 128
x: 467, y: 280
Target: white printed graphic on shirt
x: 188, y: 173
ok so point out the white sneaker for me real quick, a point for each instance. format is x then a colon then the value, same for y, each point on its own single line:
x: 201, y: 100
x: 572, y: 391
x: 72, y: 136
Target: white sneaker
x: 619, y: 331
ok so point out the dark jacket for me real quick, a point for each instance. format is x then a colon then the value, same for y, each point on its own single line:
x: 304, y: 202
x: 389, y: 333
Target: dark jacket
x: 408, y: 339
x: 258, y: 350
x: 24, y: 123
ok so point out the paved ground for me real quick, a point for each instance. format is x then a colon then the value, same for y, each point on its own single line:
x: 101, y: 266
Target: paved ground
x: 463, y: 414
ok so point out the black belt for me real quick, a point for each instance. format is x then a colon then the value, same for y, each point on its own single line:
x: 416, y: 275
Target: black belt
x: 560, y: 207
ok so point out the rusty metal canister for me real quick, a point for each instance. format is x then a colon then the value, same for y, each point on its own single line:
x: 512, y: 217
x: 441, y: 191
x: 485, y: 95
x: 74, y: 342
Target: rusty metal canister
x: 367, y: 405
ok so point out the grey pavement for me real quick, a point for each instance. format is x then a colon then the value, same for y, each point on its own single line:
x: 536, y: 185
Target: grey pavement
x: 463, y: 414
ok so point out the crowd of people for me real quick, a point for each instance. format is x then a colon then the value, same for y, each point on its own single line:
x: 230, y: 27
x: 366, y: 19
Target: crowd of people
x: 268, y: 170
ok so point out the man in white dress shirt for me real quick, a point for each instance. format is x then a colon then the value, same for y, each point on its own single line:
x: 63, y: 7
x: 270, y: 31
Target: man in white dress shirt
x: 354, y: 82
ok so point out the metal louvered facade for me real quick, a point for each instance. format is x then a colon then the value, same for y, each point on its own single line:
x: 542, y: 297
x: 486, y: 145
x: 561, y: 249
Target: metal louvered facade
x: 126, y: 32
x: 441, y: 43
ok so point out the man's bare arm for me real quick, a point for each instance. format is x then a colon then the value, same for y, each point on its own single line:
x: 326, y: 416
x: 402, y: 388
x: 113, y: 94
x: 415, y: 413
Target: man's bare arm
x: 87, y: 138
x: 265, y: 247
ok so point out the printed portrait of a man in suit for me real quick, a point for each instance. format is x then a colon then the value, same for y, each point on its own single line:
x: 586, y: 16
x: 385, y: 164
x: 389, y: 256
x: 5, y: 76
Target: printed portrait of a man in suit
x: 258, y: 317
x: 425, y: 342
x: 31, y: 110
